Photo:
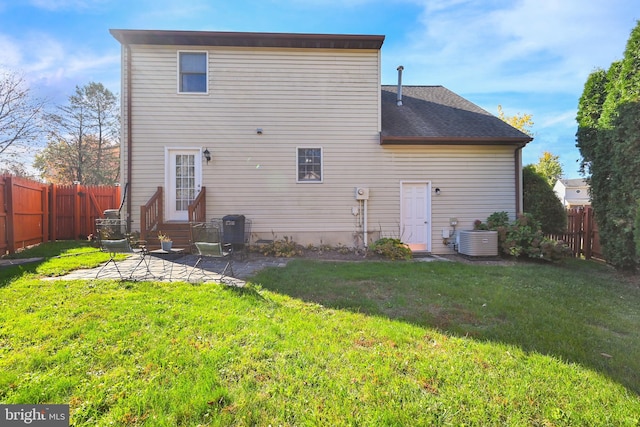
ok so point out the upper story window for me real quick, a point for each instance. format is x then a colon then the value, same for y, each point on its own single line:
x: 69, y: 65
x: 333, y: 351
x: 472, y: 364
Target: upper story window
x: 309, y: 164
x: 192, y: 72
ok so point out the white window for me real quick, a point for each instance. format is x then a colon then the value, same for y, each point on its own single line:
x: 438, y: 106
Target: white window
x: 192, y: 72
x: 309, y: 163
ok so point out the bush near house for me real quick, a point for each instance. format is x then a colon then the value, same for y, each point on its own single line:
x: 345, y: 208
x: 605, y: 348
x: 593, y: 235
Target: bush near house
x: 540, y: 200
x: 523, y: 238
x: 391, y: 248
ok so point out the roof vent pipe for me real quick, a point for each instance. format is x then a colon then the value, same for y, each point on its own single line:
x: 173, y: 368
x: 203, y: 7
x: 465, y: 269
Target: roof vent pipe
x: 399, y: 98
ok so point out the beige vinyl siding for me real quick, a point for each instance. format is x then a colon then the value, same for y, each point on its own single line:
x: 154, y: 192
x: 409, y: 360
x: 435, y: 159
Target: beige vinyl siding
x: 312, y: 98
x: 475, y: 181
x: 322, y: 98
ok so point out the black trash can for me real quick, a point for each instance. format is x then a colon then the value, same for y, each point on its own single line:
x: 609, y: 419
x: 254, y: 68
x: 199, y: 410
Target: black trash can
x: 233, y: 229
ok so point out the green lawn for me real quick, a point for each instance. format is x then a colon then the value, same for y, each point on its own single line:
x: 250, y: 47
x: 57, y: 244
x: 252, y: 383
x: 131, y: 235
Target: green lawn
x: 317, y: 343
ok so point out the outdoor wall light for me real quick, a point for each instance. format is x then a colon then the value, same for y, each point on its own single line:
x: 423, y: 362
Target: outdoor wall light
x: 207, y: 155
x: 438, y: 191
x: 259, y: 131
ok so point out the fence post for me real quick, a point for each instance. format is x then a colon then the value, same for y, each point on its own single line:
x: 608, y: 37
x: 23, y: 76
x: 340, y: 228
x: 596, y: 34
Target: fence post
x: 11, y: 217
x: 87, y: 210
x: 116, y: 202
x: 53, y: 209
x: 76, y: 210
x: 588, y: 232
x: 45, y: 213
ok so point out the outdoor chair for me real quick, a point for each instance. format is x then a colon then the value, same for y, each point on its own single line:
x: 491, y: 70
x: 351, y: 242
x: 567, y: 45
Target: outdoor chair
x: 207, y: 243
x: 113, y: 239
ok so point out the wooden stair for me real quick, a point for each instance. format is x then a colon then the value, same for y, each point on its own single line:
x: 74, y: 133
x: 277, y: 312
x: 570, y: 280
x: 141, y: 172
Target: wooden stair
x: 179, y: 233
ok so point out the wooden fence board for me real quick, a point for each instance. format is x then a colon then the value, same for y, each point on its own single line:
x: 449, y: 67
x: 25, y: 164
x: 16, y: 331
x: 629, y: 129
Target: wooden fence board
x: 4, y: 244
x: 582, y: 233
x: 32, y: 212
x: 26, y: 209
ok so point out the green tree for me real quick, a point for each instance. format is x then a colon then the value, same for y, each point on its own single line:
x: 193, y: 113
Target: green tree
x: 541, y: 202
x: 549, y: 167
x: 83, y: 140
x: 608, y: 138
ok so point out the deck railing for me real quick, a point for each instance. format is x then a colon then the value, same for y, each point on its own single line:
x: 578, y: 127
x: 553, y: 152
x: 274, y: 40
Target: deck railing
x: 151, y: 214
x: 197, y: 209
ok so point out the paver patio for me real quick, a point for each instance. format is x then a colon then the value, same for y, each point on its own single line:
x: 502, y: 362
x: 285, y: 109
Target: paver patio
x: 175, y: 270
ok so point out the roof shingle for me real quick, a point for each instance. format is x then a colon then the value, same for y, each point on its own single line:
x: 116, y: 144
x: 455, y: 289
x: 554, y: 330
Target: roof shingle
x: 434, y: 114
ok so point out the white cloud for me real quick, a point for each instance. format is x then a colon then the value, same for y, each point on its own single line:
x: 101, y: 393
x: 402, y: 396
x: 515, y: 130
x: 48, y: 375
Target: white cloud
x: 11, y: 55
x: 530, y: 45
x: 566, y: 119
x: 49, y: 66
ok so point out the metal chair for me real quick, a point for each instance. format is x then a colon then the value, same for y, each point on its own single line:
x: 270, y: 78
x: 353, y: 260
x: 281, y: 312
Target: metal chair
x: 113, y: 239
x: 207, y: 243
x: 236, y: 232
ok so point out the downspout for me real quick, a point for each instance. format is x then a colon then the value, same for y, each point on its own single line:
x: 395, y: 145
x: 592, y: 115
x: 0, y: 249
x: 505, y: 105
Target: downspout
x: 128, y: 139
x: 518, y: 178
x: 366, y: 233
x: 399, y: 97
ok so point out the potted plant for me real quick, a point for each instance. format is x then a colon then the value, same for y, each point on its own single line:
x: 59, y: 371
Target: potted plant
x: 165, y: 241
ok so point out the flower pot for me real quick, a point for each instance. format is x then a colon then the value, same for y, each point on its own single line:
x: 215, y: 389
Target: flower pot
x: 166, y: 246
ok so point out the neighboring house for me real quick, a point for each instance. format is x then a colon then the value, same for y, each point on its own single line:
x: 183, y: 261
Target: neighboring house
x: 573, y: 193
x: 304, y: 141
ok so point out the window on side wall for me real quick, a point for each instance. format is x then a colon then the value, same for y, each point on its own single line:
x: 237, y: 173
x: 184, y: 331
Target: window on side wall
x: 309, y: 163
x: 192, y: 72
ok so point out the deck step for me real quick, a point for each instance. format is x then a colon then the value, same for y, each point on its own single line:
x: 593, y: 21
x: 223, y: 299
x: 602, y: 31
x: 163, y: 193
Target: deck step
x: 179, y: 233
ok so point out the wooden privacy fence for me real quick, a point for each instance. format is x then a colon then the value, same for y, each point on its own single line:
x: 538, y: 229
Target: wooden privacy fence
x: 32, y: 212
x: 24, y: 213
x: 582, y: 233
x: 74, y: 209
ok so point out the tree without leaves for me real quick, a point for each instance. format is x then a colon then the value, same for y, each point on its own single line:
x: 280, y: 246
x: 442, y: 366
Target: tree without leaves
x: 83, y: 142
x: 16, y: 169
x: 20, y: 117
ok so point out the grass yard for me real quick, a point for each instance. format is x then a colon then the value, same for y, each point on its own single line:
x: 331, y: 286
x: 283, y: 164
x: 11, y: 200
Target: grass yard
x: 327, y: 343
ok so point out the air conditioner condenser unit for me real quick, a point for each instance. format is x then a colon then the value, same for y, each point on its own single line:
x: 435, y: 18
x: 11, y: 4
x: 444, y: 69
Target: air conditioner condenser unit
x: 478, y: 243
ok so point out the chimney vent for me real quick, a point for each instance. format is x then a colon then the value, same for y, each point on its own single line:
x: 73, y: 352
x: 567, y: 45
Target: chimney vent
x: 399, y: 98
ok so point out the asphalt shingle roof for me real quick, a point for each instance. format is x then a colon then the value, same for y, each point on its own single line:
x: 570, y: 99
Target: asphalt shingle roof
x: 434, y: 114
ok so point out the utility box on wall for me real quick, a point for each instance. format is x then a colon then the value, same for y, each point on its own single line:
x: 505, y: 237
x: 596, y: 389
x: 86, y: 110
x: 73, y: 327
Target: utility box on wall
x: 478, y: 243
x: 362, y: 193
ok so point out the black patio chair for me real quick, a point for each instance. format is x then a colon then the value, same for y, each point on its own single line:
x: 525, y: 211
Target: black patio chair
x: 114, y: 239
x: 207, y: 243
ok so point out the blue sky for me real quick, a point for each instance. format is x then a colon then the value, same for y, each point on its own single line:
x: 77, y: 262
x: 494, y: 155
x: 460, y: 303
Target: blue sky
x: 530, y: 56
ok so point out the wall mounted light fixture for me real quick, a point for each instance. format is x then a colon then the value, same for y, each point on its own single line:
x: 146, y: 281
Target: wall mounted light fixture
x: 207, y: 155
x: 259, y: 131
x: 438, y: 191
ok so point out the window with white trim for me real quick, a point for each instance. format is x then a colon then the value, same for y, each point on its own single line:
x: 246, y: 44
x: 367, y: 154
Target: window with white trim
x: 192, y: 72
x: 309, y: 162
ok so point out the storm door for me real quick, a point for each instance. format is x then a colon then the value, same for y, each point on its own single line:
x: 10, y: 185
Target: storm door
x: 183, y: 182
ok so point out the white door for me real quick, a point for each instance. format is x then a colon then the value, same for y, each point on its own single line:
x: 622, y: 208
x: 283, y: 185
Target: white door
x: 415, y: 210
x: 184, y: 181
